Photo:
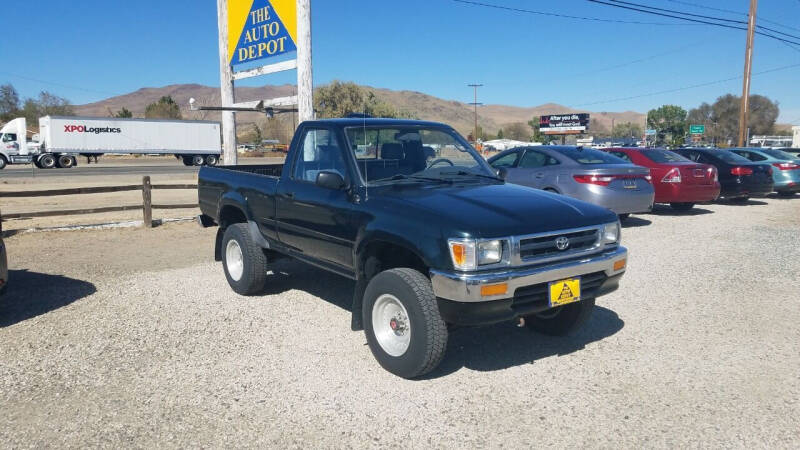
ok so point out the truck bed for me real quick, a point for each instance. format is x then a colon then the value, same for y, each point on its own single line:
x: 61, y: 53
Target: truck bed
x: 249, y: 181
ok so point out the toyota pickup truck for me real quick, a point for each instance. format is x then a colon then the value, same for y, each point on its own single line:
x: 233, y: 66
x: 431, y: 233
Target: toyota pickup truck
x: 431, y: 235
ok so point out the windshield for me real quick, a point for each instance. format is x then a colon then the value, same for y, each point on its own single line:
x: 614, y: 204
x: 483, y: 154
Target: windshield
x: 777, y: 154
x: 590, y: 156
x: 663, y: 156
x: 385, y: 153
x: 729, y: 157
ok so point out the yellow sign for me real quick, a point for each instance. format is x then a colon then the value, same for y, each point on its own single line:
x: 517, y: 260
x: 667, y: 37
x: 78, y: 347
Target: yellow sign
x: 565, y: 291
x: 259, y: 29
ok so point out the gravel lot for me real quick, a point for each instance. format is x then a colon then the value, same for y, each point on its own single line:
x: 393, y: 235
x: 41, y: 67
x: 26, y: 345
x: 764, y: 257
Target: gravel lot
x: 133, y: 338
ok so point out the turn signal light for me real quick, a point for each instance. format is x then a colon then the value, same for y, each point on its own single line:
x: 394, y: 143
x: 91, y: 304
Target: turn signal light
x: 619, y: 265
x: 740, y: 171
x: 494, y: 289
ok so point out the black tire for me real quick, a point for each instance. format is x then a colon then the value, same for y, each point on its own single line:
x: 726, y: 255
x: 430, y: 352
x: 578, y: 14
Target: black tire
x: 567, y: 318
x: 624, y: 216
x: 198, y: 160
x: 64, y: 162
x: 428, y: 332
x: 47, y: 161
x: 551, y: 190
x: 780, y: 193
x: 254, y: 271
x: 212, y: 160
x: 740, y: 199
x: 682, y: 206
x: 3, y: 162
x: 187, y: 161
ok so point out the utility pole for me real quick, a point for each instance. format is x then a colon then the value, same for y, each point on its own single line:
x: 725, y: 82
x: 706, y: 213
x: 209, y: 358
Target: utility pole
x: 744, y: 110
x: 475, y: 104
x: 229, y: 155
x: 305, y: 102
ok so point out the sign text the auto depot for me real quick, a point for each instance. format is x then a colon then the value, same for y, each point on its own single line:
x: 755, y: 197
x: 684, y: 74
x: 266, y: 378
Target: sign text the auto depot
x: 260, y: 29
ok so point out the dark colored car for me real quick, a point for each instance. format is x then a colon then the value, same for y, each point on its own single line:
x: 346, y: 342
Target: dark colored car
x: 791, y: 150
x: 583, y: 173
x: 677, y: 180
x: 739, y: 178
x: 785, y: 167
x: 423, y: 225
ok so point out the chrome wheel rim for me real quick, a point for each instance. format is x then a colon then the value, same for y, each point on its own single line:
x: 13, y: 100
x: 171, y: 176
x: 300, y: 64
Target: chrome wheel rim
x: 391, y: 325
x: 234, y: 260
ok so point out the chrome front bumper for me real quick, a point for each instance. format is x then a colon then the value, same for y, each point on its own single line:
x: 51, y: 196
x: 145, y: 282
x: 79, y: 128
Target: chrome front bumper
x: 466, y: 287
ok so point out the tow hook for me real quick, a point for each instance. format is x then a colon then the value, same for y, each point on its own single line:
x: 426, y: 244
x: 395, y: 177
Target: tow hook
x: 520, y: 322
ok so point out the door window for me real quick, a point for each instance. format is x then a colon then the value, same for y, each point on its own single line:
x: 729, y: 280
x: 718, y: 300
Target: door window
x: 9, y: 137
x: 532, y: 160
x: 508, y: 160
x: 318, y: 152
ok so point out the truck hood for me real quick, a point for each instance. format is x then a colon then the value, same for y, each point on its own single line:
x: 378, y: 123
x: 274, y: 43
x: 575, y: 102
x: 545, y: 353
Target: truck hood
x: 489, y: 210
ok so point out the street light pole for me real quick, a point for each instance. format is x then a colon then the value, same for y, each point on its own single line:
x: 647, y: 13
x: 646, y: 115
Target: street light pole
x: 475, y: 104
x: 744, y: 110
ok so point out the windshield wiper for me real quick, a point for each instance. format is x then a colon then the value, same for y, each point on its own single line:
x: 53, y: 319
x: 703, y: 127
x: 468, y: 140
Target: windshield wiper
x: 472, y: 174
x: 401, y: 176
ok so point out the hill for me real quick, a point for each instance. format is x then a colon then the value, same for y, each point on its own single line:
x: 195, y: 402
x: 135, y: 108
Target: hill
x: 458, y: 114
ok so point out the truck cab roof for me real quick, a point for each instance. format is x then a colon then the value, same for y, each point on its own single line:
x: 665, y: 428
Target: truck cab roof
x: 371, y: 122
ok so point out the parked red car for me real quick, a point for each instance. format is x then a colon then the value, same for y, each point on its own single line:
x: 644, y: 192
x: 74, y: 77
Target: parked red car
x: 677, y: 180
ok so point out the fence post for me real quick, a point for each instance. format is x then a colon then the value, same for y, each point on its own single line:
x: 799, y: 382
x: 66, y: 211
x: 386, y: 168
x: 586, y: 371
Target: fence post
x: 147, y: 201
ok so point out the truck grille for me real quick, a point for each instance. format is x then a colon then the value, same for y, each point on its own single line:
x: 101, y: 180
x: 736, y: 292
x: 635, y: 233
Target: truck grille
x: 546, y: 246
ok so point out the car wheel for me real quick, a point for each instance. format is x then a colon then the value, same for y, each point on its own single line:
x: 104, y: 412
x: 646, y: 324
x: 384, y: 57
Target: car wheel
x: 682, y: 206
x: 550, y: 190
x: 624, y: 216
x: 244, y: 262
x: 404, y: 329
x: 47, y: 161
x: 563, y: 320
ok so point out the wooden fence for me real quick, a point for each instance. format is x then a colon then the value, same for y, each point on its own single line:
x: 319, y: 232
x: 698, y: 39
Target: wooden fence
x: 147, y: 205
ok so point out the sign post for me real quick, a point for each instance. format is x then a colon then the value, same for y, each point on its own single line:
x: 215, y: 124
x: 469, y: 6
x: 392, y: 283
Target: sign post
x: 251, y: 30
x: 697, y: 129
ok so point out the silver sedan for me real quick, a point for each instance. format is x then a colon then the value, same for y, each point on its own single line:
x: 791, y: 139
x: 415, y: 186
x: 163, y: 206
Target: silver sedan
x: 583, y: 173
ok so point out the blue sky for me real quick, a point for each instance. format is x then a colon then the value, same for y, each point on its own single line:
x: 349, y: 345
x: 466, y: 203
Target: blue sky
x: 89, y: 50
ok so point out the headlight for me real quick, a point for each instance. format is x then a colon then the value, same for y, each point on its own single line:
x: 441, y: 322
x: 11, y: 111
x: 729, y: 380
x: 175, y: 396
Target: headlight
x: 611, y: 233
x: 468, y: 255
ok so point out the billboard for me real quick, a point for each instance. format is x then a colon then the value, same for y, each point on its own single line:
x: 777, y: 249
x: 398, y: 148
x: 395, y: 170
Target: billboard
x: 564, y: 123
x: 259, y: 29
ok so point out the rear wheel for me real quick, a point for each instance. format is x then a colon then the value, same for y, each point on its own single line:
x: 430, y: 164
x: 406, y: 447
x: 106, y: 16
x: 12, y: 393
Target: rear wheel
x: 401, y: 320
x: 65, y: 162
x: 244, y: 262
x: 47, y: 161
x: 212, y: 160
x: 682, y: 206
x: 198, y: 160
x: 187, y: 161
x: 563, y: 320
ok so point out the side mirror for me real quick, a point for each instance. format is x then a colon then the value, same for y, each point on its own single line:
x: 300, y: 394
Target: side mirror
x: 330, y: 180
x: 502, y: 173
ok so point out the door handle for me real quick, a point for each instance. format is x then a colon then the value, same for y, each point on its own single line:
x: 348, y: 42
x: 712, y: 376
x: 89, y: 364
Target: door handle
x: 540, y: 175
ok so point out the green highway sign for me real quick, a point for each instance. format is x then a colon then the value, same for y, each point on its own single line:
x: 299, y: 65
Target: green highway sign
x: 697, y: 129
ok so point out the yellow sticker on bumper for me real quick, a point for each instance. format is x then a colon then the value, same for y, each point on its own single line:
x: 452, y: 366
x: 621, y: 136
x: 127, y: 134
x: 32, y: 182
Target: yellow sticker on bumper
x: 566, y: 291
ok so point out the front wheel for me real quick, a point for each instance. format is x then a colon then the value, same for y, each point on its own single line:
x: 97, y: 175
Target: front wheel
x: 563, y: 320
x: 244, y: 262
x: 404, y: 329
x: 682, y: 206
x: 2, y: 162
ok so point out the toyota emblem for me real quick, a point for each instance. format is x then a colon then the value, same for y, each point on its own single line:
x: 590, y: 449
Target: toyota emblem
x: 562, y: 243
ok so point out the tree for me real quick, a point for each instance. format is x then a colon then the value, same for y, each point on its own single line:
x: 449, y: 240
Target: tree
x: 517, y: 131
x: 722, y: 118
x: 46, y: 104
x: 338, y: 99
x: 164, y: 108
x: 627, y: 130
x: 598, y: 129
x: 669, y: 121
x: 500, y: 134
x: 123, y: 113
x: 9, y: 102
x: 537, y: 136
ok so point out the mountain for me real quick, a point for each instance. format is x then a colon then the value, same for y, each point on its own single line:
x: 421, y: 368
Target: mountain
x: 458, y: 114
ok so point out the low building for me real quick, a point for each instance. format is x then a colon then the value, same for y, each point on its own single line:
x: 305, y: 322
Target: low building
x: 796, y: 137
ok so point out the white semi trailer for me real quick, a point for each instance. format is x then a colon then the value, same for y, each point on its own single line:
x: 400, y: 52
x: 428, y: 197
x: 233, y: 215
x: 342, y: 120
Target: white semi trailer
x: 61, y: 139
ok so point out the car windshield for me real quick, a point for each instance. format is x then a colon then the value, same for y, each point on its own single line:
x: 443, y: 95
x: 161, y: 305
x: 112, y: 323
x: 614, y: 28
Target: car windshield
x: 777, y: 154
x: 663, y: 156
x: 416, y: 152
x: 590, y: 156
x: 729, y: 157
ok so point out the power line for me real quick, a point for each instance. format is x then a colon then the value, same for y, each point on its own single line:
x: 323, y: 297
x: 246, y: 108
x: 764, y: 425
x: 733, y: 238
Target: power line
x: 668, y: 91
x: 52, y: 83
x: 689, y: 19
x: 564, y: 16
x: 711, y: 8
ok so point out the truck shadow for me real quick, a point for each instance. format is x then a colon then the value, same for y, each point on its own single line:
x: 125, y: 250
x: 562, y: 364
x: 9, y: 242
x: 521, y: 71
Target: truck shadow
x: 633, y: 222
x: 504, y: 345
x: 30, y: 294
x: 489, y: 348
